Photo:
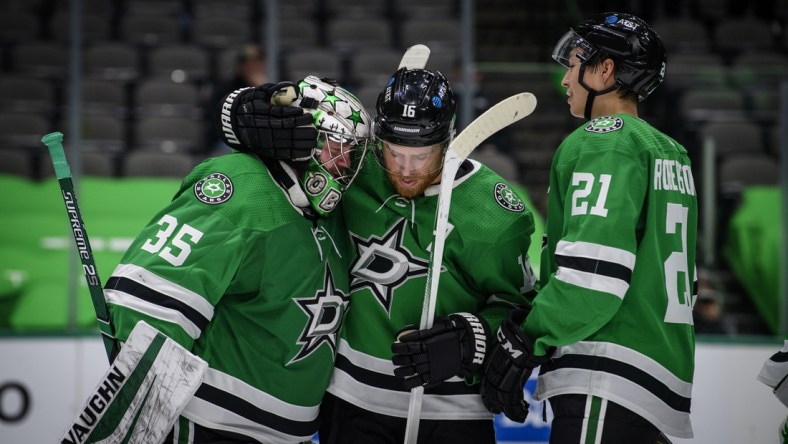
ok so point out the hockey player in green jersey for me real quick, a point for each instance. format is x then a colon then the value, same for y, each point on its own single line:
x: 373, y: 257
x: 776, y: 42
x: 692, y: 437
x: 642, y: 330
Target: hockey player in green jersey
x: 247, y: 267
x: 618, y: 274
x: 486, y: 272
x: 390, y: 212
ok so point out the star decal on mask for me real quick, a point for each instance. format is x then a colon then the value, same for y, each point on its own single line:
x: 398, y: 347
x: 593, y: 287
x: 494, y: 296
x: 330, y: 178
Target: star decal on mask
x: 383, y: 264
x: 325, y: 312
x: 331, y: 98
x: 355, y: 117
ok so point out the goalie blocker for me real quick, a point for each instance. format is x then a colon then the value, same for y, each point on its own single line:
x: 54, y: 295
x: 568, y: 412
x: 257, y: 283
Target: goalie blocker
x: 142, y: 394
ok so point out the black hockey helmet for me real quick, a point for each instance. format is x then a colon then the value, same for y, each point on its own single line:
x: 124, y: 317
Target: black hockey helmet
x: 633, y: 45
x: 417, y: 108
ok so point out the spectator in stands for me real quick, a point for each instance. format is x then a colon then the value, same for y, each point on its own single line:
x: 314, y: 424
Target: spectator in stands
x: 707, y: 314
x: 250, y: 70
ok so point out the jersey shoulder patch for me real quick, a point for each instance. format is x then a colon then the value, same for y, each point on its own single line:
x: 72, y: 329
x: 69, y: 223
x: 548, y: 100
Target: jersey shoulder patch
x: 605, y: 124
x: 213, y: 189
x: 508, y: 198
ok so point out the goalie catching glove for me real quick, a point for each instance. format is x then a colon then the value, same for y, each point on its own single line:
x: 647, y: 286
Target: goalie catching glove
x: 510, y: 364
x: 260, y: 120
x: 454, y: 345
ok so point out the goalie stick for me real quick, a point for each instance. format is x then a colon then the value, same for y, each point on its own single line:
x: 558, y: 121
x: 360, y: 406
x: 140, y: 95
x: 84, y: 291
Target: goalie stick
x: 150, y: 380
x: 499, y: 116
x: 54, y: 142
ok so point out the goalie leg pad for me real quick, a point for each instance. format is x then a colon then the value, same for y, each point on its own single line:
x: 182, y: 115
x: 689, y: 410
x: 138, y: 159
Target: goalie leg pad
x: 142, y: 394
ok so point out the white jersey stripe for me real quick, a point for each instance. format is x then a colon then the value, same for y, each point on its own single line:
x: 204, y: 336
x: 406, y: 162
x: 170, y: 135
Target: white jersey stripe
x: 617, y: 389
x: 364, y: 360
x: 592, y: 281
x: 212, y: 416
x: 236, y: 387
x: 156, y: 311
x: 171, y: 289
x: 631, y: 357
x: 394, y: 403
x: 600, y: 428
x: 596, y: 251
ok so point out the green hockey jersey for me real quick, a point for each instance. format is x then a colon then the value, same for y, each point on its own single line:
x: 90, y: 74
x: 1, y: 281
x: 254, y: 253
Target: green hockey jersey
x: 485, y: 271
x: 232, y: 271
x: 618, y: 277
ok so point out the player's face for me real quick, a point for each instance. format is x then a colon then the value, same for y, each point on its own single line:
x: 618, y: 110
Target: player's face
x: 412, y: 169
x: 335, y: 157
x: 576, y: 94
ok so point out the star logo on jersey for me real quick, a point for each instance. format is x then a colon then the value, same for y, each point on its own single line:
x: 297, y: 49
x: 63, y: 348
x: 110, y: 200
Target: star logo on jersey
x: 214, y: 189
x: 325, y: 312
x: 507, y: 198
x: 605, y: 124
x: 383, y: 264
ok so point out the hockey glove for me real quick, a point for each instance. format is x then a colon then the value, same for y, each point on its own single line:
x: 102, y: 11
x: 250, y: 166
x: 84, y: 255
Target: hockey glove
x: 455, y: 345
x: 510, y: 364
x: 249, y: 122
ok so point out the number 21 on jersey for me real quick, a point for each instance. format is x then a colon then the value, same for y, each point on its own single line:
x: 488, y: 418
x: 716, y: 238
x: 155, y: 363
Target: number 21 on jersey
x: 676, y: 266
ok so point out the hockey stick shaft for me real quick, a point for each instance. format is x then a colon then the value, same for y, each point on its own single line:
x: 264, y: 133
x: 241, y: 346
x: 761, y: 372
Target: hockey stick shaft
x: 499, y: 116
x: 54, y: 142
x: 415, y: 57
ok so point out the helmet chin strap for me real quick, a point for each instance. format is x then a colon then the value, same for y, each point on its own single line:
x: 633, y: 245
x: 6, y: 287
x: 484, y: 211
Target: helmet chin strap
x: 592, y: 93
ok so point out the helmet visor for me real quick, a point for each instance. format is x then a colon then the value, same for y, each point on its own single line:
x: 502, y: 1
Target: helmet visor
x: 572, y: 45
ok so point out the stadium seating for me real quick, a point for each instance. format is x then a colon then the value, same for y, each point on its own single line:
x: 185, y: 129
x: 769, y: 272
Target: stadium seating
x: 150, y: 30
x: 114, y: 61
x: 148, y: 64
x: 153, y: 164
x: 42, y: 59
x: 734, y: 137
x: 16, y: 162
x: 27, y: 95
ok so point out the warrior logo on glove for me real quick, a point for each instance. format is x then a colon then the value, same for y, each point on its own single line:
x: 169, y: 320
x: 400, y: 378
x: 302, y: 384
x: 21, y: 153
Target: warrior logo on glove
x: 455, y: 345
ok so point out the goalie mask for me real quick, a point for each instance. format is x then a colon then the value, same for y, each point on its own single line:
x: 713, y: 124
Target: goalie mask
x: 344, y: 135
x: 414, y: 122
x: 636, y: 49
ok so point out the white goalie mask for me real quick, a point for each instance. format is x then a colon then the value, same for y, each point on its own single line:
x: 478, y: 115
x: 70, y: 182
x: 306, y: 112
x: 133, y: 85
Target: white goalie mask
x: 344, y: 135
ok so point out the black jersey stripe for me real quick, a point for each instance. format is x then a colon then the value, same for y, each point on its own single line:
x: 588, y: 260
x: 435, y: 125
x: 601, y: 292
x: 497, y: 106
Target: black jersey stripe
x: 624, y: 370
x: 148, y: 294
x: 595, y: 266
x: 246, y: 409
x: 393, y: 383
x: 780, y: 357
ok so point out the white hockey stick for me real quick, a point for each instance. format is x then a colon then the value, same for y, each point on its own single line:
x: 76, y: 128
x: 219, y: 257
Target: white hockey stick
x: 499, y: 116
x: 415, y: 57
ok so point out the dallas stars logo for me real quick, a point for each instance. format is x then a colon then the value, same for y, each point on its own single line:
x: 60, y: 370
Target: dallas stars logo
x: 325, y: 311
x: 507, y: 198
x: 605, y: 124
x: 383, y: 264
x: 214, y: 189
